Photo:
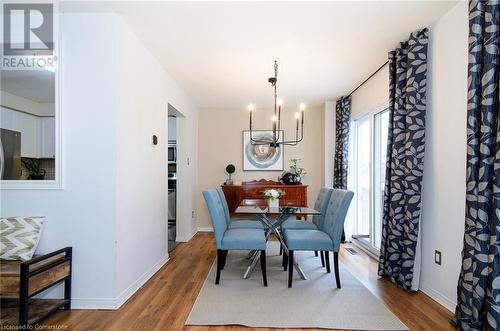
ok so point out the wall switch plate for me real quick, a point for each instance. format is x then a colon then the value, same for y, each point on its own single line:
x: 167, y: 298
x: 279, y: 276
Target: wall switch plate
x: 437, y: 257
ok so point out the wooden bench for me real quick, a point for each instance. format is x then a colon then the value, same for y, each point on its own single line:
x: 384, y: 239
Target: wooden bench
x: 21, y: 281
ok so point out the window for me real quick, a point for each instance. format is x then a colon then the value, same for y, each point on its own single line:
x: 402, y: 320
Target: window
x: 369, y: 151
x: 381, y: 127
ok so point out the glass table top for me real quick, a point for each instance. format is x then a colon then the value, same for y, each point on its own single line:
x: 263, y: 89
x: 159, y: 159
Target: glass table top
x: 259, y: 207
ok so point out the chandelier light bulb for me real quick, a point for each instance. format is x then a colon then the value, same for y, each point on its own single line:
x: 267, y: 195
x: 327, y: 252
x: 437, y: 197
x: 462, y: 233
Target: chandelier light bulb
x: 277, y: 139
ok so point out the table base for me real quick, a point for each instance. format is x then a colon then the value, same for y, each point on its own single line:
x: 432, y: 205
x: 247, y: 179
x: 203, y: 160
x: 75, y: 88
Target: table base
x: 273, y: 228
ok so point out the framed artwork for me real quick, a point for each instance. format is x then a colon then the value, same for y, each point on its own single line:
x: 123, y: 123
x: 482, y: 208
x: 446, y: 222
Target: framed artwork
x: 262, y: 157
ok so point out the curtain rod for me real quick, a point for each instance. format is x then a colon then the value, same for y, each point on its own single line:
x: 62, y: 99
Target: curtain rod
x: 363, y: 83
x: 419, y: 34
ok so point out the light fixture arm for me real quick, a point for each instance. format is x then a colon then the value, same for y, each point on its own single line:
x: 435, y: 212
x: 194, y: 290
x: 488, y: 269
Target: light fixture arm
x: 276, y: 120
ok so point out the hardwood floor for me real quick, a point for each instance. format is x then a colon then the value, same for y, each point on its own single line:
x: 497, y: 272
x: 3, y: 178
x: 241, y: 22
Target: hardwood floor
x: 166, y: 299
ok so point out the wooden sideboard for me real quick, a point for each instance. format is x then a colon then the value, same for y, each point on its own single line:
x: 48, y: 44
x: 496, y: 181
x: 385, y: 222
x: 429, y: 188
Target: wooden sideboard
x: 295, y: 195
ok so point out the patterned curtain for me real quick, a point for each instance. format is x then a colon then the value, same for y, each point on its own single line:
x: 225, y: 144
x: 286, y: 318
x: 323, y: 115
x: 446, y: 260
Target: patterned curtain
x: 405, y: 162
x: 478, y: 288
x: 342, y: 121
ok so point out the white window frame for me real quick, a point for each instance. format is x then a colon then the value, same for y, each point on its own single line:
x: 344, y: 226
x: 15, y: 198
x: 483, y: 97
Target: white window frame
x: 58, y: 182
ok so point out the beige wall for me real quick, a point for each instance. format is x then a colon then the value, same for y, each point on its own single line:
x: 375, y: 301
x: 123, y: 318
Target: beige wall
x: 444, y: 187
x: 372, y: 95
x: 220, y: 143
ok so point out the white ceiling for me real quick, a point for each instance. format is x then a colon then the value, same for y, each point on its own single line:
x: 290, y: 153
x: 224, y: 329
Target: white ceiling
x: 35, y: 85
x: 221, y: 53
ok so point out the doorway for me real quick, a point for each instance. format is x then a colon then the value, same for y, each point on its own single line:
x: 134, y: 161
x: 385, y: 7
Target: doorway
x: 172, y: 182
x: 175, y: 144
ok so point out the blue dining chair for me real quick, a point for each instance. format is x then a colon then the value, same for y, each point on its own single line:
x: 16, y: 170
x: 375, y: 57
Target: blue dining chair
x: 317, y: 220
x: 235, y: 223
x: 326, y: 238
x: 232, y: 239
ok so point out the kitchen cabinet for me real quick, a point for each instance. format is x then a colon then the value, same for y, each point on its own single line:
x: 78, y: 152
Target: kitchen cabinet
x: 172, y: 132
x: 37, y: 133
x: 48, y: 137
x: 28, y: 125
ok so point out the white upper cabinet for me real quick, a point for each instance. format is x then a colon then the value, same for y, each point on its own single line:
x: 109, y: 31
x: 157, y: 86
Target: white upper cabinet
x: 28, y: 125
x: 172, y: 132
x: 48, y: 137
x: 37, y: 133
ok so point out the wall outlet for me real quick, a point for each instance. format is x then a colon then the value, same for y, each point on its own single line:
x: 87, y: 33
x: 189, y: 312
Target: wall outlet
x: 192, y: 214
x: 437, y: 257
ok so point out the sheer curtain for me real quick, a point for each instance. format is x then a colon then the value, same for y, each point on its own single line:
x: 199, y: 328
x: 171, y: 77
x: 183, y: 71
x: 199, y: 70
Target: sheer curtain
x: 349, y: 225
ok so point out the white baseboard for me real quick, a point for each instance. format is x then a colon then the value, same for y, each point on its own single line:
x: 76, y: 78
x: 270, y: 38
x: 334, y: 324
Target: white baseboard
x: 186, y: 239
x: 439, y: 297
x: 205, y: 229
x: 116, y: 303
x: 93, y: 303
x: 128, y: 292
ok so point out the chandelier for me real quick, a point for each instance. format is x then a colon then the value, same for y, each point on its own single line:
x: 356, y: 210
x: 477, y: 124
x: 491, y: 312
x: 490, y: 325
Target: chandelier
x: 276, y: 140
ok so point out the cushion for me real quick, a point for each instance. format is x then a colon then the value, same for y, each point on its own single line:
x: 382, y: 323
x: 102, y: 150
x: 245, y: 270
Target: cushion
x: 246, y: 224
x: 298, y: 224
x: 244, y: 239
x: 308, y: 240
x: 19, y: 237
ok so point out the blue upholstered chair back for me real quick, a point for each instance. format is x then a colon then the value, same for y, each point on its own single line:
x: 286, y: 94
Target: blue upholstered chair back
x: 335, y: 215
x: 321, y: 205
x: 224, y: 204
x: 217, y: 214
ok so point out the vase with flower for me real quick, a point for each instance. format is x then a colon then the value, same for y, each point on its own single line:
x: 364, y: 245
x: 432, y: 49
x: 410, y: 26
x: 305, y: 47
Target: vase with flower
x: 273, y: 196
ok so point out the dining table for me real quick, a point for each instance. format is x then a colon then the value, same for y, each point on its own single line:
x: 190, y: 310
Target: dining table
x: 272, y: 218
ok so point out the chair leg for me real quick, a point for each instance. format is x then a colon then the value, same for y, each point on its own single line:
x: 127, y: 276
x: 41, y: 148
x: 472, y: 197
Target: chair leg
x: 336, y: 266
x: 285, y: 260
x: 263, y: 266
x: 316, y: 253
x: 327, y: 260
x: 281, y: 249
x: 224, y: 258
x: 220, y: 263
x: 290, y: 268
x: 322, y: 258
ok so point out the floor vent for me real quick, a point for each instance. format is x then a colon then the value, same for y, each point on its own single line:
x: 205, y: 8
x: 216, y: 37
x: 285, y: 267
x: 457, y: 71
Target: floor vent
x: 352, y: 251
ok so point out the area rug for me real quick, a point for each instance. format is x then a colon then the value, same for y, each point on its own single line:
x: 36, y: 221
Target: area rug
x: 311, y: 303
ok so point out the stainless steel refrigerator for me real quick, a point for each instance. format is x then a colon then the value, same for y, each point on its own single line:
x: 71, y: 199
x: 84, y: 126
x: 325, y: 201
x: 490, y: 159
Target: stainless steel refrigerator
x: 10, y: 154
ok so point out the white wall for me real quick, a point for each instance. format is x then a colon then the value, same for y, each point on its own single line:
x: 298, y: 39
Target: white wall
x: 143, y: 94
x: 36, y: 108
x: 83, y: 214
x: 443, y: 216
x: 113, y: 208
x: 373, y: 94
x: 329, y: 142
